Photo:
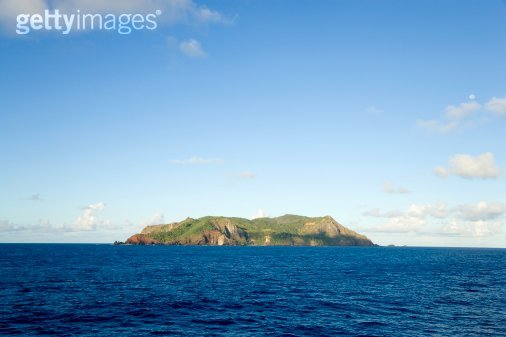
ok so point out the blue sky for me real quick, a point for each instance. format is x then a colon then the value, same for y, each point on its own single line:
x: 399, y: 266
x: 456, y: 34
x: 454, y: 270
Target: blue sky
x: 387, y: 115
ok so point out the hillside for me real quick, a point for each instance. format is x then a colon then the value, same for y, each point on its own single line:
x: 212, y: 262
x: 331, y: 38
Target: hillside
x: 286, y: 230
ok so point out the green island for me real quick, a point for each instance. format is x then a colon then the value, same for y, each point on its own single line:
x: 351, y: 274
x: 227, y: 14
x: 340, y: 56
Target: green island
x: 286, y: 230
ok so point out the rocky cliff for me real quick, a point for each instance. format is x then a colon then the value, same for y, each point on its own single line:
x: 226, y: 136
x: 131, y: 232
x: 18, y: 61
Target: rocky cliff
x: 287, y: 230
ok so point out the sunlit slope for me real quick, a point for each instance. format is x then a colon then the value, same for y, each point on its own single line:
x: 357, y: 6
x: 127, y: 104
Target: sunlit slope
x: 286, y: 230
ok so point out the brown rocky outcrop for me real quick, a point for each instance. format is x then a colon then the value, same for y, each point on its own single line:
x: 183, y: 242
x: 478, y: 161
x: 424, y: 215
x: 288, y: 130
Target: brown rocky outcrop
x: 141, y: 239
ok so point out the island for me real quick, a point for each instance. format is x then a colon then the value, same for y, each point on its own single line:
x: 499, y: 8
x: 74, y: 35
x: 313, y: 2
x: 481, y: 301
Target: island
x: 286, y: 230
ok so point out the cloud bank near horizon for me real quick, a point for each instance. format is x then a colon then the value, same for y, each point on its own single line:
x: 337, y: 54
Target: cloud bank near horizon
x: 467, y: 220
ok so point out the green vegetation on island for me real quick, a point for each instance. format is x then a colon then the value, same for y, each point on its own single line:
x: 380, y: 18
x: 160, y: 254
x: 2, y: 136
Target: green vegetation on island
x: 286, y: 230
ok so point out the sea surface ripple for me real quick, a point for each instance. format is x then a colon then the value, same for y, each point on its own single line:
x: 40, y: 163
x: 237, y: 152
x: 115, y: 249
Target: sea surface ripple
x: 106, y: 290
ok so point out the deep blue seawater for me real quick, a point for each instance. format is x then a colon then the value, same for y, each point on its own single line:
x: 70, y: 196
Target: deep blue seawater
x: 105, y: 290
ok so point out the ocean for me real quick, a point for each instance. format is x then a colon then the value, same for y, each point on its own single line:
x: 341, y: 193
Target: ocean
x: 106, y: 290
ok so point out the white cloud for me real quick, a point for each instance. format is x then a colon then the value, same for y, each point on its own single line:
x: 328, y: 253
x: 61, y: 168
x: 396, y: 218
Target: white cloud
x: 376, y: 213
x: 192, y: 48
x: 207, y: 15
x: 497, y: 105
x: 240, y: 177
x: 10, y: 9
x: 14, y: 7
x: 412, y: 220
x: 482, y: 211
x: 401, y: 224
x: 247, y: 175
x: 173, y: 11
x: 156, y: 219
x: 88, y: 220
x: 438, y: 126
x: 7, y: 226
x: 462, y: 110
x: 440, y: 171
x: 41, y: 226
x: 475, y: 220
x: 455, y: 117
x: 439, y: 210
x: 374, y: 110
x: 260, y: 214
x: 389, y: 188
x: 36, y: 197
x: 196, y: 161
x: 466, y: 166
x: 474, y: 229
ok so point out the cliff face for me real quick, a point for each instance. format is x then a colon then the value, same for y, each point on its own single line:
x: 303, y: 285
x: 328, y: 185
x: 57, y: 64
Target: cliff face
x: 141, y: 239
x: 287, y: 230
